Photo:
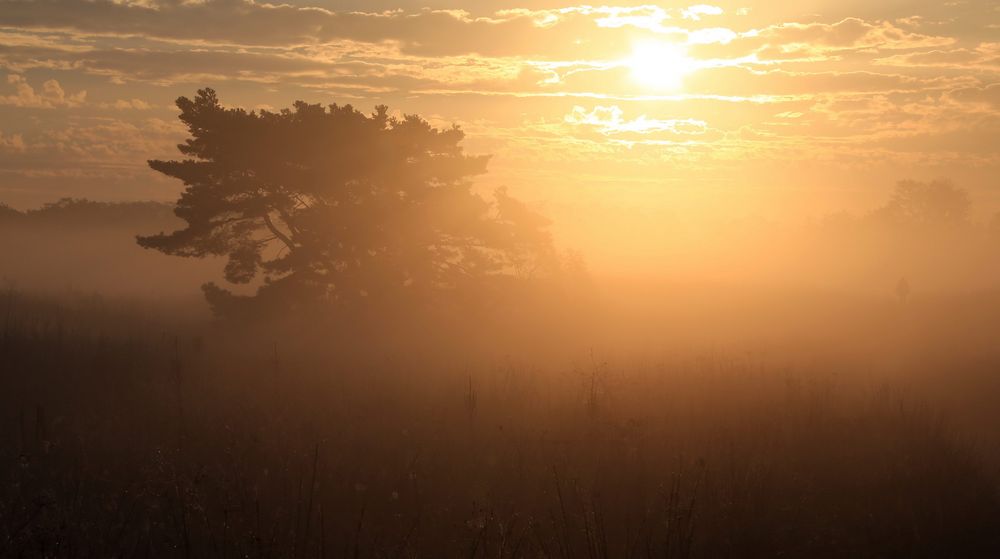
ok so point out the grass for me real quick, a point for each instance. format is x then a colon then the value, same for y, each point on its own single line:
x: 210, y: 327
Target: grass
x: 128, y: 436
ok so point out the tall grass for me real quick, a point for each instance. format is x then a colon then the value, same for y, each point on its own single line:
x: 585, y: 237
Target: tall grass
x: 123, y: 436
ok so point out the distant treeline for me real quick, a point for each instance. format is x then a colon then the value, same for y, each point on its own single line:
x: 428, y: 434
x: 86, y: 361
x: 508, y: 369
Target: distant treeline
x: 933, y: 204
x: 87, y: 246
x: 925, y: 232
x: 80, y: 211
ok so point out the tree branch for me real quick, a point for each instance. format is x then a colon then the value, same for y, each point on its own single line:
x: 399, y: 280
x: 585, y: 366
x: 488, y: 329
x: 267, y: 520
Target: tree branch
x: 277, y: 233
x: 288, y: 221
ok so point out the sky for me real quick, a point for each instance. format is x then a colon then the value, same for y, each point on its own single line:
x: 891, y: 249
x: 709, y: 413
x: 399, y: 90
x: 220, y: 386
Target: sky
x: 632, y: 115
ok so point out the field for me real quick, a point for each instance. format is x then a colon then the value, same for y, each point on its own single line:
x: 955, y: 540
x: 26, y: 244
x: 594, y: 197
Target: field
x: 130, y: 431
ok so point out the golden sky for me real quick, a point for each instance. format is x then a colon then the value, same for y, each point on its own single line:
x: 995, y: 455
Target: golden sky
x: 627, y: 113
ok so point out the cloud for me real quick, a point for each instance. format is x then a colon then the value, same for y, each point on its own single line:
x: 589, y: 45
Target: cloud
x: 51, y: 96
x: 113, y: 148
x: 101, y: 158
x: 560, y: 33
x: 14, y: 142
x: 611, y: 120
x: 245, y: 22
x: 569, y: 33
x: 696, y: 12
x: 852, y: 33
x: 793, y: 40
x: 347, y: 68
x: 987, y: 95
x: 128, y: 104
x: 114, y: 140
x: 786, y: 82
x: 761, y: 85
x: 536, y: 87
x: 984, y: 57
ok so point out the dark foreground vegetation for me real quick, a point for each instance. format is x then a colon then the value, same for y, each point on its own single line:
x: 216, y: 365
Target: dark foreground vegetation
x: 126, y: 435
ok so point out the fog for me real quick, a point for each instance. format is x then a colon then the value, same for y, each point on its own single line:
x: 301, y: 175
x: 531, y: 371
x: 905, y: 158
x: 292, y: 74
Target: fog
x: 78, y: 246
x: 880, y: 291
x: 382, y: 361
x: 916, y: 236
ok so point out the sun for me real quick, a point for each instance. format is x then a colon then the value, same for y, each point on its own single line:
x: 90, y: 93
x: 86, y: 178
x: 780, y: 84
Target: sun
x: 659, y: 65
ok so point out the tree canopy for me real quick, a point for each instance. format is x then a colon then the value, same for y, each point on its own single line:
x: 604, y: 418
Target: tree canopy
x: 932, y: 204
x: 328, y: 203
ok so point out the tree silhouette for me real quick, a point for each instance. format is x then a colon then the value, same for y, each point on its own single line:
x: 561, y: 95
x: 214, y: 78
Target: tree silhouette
x: 327, y: 203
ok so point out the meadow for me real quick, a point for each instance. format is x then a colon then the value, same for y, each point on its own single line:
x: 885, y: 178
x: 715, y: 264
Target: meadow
x: 132, y: 431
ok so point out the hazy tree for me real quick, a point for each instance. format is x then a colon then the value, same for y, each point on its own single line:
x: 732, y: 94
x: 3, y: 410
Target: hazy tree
x: 902, y: 290
x: 7, y: 212
x: 330, y: 203
x: 926, y: 204
x: 71, y: 212
x: 993, y: 227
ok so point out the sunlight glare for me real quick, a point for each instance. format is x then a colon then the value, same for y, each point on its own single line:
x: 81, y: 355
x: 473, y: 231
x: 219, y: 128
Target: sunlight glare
x: 659, y: 65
